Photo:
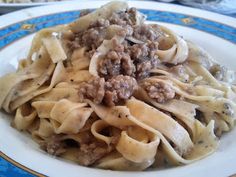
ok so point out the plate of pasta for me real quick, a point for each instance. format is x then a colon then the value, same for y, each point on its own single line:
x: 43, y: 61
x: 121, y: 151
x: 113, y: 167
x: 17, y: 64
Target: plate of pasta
x: 117, y: 88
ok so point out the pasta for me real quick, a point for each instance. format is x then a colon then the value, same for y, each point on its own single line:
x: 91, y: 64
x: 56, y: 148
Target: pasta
x: 110, y: 91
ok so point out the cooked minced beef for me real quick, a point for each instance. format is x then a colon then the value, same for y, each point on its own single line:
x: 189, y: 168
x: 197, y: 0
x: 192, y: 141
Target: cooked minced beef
x: 132, y: 59
x: 111, y: 92
x: 116, y: 62
x: 145, y: 32
x: 124, y: 18
x: 93, y: 90
x: 144, y: 58
x: 159, y: 91
x: 142, y: 51
x: 138, y: 51
x: 94, y: 36
x: 143, y: 68
x: 96, y: 33
x: 100, y: 23
x: 54, y: 145
x: 90, y: 153
x: 119, y: 88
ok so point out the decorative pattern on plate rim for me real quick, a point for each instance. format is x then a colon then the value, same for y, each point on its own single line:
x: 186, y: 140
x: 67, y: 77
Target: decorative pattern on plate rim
x: 11, y: 168
x: 14, y: 32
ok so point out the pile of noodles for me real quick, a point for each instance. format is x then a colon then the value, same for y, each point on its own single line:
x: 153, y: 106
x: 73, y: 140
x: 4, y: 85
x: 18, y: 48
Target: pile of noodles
x: 43, y: 96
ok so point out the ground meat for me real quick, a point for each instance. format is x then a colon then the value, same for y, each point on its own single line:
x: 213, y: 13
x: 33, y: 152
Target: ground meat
x: 111, y: 92
x: 159, y: 91
x: 116, y: 62
x: 145, y: 32
x: 143, y: 68
x: 119, y: 47
x: 54, y: 145
x: 93, y: 37
x: 144, y: 57
x: 136, y: 60
x: 138, y: 51
x: 100, y: 23
x: 124, y: 18
x: 118, y: 89
x: 121, y: 19
x: 90, y: 153
x: 93, y: 90
x: 111, y: 65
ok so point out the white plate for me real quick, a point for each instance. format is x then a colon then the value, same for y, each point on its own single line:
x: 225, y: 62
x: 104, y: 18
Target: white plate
x: 202, y: 27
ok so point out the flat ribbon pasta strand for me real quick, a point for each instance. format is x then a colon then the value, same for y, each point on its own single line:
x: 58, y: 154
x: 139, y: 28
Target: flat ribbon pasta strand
x: 23, y: 63
x: 161, y: 122
x: 43, y: 108
x: 202, y: 71
x: 212, y: 101
x: 175, y: 158
x: 199, y: 55
x: 179, y: 90
x: 132, y: 149
x: 11, y: 82
x: 75, y: 77
x: 178, y: 53
x: 64, y: 115
x: 58, y: 76
x: 54, y: 49
x: 44, y: 131
x: 115, y: 116
x: 137, y: 151
x: 97, y: 127
x: 7, y: 84
x: 79, y: 60
x: 71, y: 116
x: 183, y: 110
x: 59, y: 93
x: 220, y: 106
x: 105, y: 114
x: 24, y: 117
x: 104, y: 12
x: 37, y: 40
x: 115, y: 161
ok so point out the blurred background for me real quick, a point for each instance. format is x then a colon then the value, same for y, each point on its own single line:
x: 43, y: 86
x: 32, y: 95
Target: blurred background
x: 226, y: 7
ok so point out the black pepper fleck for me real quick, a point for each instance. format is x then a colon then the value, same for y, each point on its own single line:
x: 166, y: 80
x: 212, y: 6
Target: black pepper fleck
x: 200, y: 142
